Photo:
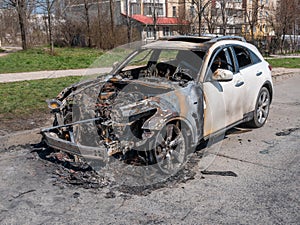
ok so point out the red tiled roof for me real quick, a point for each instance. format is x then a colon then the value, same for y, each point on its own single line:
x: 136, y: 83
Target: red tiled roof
x: 160, y: 20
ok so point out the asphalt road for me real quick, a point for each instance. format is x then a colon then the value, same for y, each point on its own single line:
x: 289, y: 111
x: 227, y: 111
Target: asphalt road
x: 252, y: 177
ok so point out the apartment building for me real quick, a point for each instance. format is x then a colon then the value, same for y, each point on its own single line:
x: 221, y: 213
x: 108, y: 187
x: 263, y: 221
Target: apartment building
x: 156, y: 18
x: 229, y: 17
x: 258, y: 14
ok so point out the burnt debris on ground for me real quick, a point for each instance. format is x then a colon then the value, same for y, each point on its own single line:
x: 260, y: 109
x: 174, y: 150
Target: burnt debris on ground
x: 287, y: 132
x: 182, y: 176
x: 69, y: 170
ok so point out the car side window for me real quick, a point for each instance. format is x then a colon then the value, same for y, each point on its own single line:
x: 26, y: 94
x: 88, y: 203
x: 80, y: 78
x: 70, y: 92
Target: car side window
x: 219, y: 62
x: 255, y: 58
x: 243, y: 57
x: 222, y: 59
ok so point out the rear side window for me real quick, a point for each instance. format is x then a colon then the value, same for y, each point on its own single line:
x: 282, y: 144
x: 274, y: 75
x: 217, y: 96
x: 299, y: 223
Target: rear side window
x: 245, y: 57
x: 255, y: 58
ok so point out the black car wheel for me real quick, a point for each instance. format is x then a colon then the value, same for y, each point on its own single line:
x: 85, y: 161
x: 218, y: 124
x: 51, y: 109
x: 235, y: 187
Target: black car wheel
x: 262, y: 108
x: 170, y: 149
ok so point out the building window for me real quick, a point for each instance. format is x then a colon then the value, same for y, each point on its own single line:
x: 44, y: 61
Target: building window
x: 166, y: 31
x: 135, y: 9
x: 149, y: 32
x: 160, y: 9
x: 149, y: 9
x: 174, y: 11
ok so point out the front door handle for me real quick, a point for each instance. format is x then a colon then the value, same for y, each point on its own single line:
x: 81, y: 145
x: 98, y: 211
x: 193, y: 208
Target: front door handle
x: 239, y: 83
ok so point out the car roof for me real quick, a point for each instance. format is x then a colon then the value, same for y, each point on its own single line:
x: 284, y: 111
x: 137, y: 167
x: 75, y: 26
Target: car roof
x: 202, y: 43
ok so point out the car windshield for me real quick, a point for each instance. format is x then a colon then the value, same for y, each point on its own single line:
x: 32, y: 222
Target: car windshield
x: 170, y: 64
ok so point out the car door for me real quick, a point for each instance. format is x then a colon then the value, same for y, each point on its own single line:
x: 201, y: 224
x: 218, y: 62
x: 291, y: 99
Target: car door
x: 223, y: 100
x: 252, y: 72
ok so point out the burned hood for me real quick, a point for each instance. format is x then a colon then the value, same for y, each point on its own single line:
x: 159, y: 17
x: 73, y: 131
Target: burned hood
x: 154, y: 85
x: 135, y: 99
x: 82, y: 85
x: 127, y: 100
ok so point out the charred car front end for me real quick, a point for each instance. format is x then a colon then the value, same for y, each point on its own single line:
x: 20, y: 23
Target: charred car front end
x: 146, y: 111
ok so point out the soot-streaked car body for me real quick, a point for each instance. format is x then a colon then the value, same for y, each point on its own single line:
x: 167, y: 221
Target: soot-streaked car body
x: 163, y: 100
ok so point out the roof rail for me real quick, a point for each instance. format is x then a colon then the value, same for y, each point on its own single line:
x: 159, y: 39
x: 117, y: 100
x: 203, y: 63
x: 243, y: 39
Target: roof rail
x: 220, y: 38
x: 202, y: 39
x: 194, y: 39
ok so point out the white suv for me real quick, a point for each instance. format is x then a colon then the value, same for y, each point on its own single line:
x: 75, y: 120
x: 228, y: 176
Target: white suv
x: 163, y: 100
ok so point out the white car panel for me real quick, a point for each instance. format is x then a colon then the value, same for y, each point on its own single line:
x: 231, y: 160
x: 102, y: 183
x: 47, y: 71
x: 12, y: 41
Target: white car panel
x: 224, y: 103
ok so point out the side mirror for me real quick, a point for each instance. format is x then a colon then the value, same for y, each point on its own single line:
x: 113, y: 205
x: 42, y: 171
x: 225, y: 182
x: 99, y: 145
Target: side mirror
x: 222, y: 75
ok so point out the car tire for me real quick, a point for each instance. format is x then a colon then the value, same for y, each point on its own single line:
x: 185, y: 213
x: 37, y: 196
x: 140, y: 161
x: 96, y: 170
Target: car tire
x: 170, y: 151
x: 262, y: 108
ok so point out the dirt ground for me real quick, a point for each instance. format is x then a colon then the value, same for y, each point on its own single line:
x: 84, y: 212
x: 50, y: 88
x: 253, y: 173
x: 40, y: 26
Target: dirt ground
x: 24, y: 122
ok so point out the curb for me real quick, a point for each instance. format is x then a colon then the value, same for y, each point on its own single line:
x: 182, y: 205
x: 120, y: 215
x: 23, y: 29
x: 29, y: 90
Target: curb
x: 278, y: 76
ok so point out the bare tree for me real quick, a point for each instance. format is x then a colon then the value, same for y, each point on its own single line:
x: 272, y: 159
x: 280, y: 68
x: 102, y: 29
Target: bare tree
x: 287, y: 15
x: 22, y: 9
x: 252, y: 17
x: 211, y: 17
x: 224, y: 15
x: 200, y: 6
x: 9, y: 26
x: 87, y: 20
x: 48, y: 7
x: 128, y: 20
x: 183, y: 26
x: 111, y: 10
x: 99, y: 13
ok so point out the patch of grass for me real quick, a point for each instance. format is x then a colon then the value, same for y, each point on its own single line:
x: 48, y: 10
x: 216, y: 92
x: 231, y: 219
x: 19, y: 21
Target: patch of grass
x: 39, y: 59
x: 285, y: 62
x: 28, y: 97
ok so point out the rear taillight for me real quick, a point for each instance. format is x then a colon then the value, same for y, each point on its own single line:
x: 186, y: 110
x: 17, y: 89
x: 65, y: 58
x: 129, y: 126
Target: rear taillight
x: 270, y: 67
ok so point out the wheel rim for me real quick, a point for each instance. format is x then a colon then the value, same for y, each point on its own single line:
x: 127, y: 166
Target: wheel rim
x: 263, y: 105
x: 170, y: 149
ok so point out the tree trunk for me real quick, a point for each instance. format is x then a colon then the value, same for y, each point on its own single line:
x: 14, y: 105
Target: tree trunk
x: 22, y: 22
x: 99, y: 25
x: 87, y: 17
x: 50, y: 27
x: 128, y: 22
x: 112, y: 22
x: 224, y: 17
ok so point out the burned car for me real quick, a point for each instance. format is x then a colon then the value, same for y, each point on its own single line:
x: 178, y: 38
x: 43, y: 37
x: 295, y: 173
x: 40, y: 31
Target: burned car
x: 163, y: 100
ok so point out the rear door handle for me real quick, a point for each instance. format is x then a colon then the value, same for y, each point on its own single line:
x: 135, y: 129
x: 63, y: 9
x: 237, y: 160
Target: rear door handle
x: 259, y: 73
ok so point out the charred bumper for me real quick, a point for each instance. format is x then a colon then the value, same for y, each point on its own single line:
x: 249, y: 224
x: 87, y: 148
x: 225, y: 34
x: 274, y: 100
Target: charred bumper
x: 51, y: 140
